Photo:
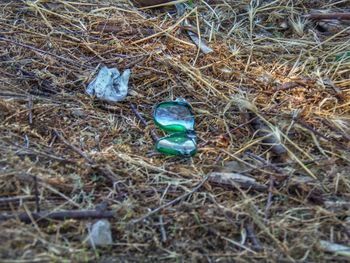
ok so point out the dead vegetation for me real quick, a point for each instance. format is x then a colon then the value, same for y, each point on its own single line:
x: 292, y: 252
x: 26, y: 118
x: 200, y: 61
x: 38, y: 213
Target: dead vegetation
x: 273, y: 68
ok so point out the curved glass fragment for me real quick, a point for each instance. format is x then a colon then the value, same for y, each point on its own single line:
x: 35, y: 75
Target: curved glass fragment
x: 174, y: 116
x: 177, y: 144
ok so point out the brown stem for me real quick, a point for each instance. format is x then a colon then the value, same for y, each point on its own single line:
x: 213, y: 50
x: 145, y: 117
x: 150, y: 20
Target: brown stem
x: 253, y: 237
x: 269, y: 198
x: 34, y: 49
x: 74, y: 148
x: 155, y: 137
x: 162, y: 229
x: 60, y: 215
x: 332, y: 140
x: 339, y: 16
x: 15, y: 199
x: 104, y: 170
x: 30, y: 110
x: 36, y: 192
x: 270, y: 138
x: 174, y: 201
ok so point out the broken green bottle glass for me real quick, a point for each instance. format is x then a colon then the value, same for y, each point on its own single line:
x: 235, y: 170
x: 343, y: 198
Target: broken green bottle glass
x: 177, y: 118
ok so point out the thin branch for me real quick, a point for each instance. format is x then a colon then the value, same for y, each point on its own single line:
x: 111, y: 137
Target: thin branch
x: 338, y: 16
x: 104, y: 170
x: 74, y: 148
x: 253, y: 238
x: 269, y: 198
x: 15, y: 199
x: 30, y: 110
x: 162, y: 229
x: 156, y: 210
x: 36, y: 192
x: 330, y: 139
x: 138, y: 115
x: 60, y: 215
x: 274, y: 166
x: 34, y: 49
x: 155, y: 137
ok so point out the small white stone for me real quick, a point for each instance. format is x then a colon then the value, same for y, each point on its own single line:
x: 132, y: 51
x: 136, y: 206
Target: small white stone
x: 100, y: 234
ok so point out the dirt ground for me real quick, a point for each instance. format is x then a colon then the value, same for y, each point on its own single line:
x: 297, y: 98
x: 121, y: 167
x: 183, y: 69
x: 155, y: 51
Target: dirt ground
x: 277, y: 66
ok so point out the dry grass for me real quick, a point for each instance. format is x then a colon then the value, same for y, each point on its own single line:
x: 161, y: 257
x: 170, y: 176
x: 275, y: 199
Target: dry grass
x: 267, y: 57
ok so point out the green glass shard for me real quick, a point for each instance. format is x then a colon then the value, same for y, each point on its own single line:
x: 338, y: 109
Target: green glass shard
x: 177, y: 144
x: 174, y: 116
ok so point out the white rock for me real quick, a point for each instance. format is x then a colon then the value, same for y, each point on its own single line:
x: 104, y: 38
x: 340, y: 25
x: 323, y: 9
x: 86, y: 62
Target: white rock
x: 100, y: 234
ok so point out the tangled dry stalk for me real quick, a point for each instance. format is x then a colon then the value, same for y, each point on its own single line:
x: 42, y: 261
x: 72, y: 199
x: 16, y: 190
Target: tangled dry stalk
x: 269, y: 59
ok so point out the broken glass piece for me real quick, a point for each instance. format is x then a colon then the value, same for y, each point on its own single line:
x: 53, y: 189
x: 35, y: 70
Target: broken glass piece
x: 177, y: 144
x: 174, y: 116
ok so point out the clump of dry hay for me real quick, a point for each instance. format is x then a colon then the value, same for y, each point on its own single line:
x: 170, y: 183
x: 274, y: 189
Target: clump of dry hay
x: 267, y: 55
